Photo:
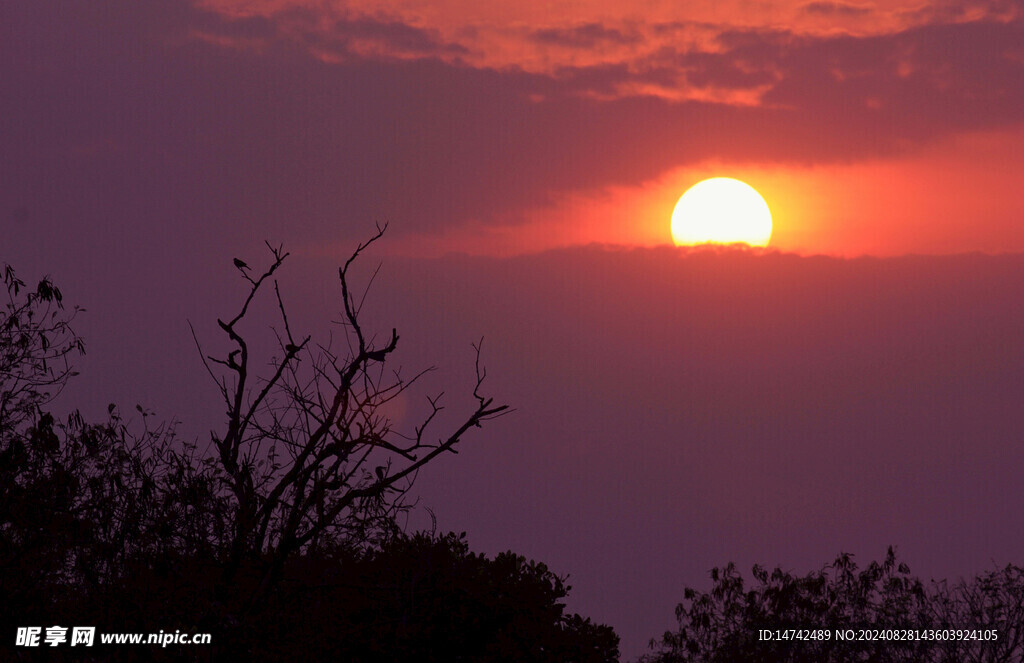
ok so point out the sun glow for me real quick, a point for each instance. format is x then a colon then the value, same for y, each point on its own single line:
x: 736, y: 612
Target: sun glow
x: 721, y: 210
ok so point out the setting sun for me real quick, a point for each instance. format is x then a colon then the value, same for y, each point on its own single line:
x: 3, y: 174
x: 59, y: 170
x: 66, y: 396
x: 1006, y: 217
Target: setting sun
x: 721, y: 210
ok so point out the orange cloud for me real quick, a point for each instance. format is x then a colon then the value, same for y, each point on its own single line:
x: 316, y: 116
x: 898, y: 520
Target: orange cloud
x: 541, y: 37
x: 659, y: 50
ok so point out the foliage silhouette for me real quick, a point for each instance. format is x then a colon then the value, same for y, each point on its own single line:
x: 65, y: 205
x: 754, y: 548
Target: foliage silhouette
x: 428, y: 598
x: 37, y: 343
x: 725, y: 623
x: 282, y: 543
x: 84, y: 507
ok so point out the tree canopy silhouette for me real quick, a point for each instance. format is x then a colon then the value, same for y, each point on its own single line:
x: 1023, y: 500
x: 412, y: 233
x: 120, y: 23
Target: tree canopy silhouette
x: 802, y: 614
x: 281, y: 539
x: 428, y: 598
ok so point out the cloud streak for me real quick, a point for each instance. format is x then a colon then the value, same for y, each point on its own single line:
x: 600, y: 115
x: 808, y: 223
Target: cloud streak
x: 835, y: 9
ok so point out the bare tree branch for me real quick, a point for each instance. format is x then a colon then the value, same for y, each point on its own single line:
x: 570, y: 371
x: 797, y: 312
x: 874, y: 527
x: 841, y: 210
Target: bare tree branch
x: 308, y: 454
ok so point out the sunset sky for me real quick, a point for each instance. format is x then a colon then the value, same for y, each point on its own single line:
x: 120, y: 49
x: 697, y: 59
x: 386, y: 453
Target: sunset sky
x: 855, y: 385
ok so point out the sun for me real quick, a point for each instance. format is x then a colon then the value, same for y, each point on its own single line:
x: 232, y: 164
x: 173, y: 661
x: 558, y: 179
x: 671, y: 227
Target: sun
x: 721, y: 210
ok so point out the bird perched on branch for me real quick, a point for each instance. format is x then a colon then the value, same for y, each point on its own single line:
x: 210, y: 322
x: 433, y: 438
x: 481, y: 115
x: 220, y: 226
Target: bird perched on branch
x: 240, y: 265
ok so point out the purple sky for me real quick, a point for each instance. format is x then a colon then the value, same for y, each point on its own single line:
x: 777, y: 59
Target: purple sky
x: 675, y: 410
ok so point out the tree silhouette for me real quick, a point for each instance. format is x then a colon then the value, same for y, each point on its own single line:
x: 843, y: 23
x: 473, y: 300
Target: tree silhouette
x: 82, y: 506
x: 281, y: 542
x: 36, y: 346
x: 298, y: 444
x: 726, y: 623
x: 37, y: 343
x: 428, y: 598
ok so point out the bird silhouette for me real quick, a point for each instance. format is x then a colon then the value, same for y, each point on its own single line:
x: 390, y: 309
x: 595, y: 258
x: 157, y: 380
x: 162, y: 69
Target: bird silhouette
x: 240, y: 265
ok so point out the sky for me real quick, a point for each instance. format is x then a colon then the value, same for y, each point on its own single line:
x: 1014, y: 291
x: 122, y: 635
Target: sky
x: 855, y: 384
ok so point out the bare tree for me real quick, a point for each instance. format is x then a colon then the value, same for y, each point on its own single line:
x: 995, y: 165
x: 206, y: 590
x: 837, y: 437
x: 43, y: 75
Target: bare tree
x: 308, y: 455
